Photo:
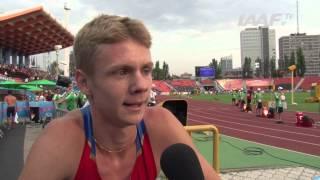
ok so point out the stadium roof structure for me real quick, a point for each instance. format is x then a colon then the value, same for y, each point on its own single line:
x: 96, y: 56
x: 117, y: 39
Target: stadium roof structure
x: 32, y: 31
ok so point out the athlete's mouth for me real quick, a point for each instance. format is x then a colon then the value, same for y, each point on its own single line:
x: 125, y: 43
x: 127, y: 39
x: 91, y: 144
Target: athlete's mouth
x: 133, y: 104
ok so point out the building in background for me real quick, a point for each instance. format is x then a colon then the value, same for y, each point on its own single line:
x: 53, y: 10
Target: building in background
x: 226, y: 64
x: 258, y: 43
x: 186, y: 75
x: 233, y: 74
x: 310, y: 45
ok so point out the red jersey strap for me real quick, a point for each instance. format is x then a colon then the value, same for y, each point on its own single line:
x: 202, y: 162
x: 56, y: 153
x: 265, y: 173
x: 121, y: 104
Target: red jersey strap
x: 144, y: 167
x: 87, y: 168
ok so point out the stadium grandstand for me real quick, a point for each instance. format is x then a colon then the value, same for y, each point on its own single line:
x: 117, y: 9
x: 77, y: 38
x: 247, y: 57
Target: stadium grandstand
x: 25, y: 33
x: 285, y: 82
x: 188, y: 85
x: 230, y: 84
x: 183, y: 85
x: 162, y: 87
x: 207, y: 82
x: 308, y: 81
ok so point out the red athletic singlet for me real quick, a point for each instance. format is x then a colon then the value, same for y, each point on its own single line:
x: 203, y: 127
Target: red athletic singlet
x: 144, y: 168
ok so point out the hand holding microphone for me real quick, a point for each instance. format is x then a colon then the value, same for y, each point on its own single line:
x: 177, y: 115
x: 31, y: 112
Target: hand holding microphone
x: 180, y: 162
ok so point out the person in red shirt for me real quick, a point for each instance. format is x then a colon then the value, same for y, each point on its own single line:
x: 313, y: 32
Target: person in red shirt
x: 249, y: 98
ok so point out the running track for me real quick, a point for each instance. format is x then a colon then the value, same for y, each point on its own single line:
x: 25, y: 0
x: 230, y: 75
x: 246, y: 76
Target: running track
x: 230, y: 121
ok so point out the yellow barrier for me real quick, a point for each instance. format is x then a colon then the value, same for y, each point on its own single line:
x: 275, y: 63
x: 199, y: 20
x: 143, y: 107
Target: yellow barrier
x: 215, y: 142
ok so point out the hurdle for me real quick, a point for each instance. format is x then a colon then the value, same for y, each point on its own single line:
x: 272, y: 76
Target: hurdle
x: 215, y: 142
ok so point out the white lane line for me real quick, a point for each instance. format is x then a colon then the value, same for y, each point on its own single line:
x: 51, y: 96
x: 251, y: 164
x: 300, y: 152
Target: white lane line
x: 287, y: 139
x: 221, y: 112
x: 279, y: 130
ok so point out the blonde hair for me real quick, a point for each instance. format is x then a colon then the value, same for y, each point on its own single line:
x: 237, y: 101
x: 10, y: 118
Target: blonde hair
x: 106, y: 29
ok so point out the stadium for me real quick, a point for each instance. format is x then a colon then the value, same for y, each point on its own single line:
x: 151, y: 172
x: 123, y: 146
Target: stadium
x: 235, y: 140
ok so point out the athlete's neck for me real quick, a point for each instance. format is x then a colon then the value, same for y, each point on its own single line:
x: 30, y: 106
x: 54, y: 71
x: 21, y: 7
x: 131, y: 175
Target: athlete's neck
x: 110, y: 135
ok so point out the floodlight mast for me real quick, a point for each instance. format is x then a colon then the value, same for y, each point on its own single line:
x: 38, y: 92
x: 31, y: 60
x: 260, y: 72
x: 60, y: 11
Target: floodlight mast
x: 57, y: 48
x: 67, y: 9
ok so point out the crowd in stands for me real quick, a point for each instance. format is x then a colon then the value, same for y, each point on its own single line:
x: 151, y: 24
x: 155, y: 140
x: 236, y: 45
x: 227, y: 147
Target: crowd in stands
x: 22, y: 73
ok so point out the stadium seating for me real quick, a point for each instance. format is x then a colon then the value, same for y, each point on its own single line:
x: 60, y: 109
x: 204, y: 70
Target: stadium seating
x: 306, y: 84
x: 161, y: 86
x: 229, y: 84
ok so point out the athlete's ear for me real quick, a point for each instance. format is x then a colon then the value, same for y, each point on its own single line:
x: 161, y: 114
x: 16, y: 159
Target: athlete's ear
x: 82, y: 82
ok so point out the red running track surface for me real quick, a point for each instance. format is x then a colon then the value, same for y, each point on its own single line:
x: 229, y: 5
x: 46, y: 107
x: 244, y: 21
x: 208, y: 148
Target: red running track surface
x: 230, y: 121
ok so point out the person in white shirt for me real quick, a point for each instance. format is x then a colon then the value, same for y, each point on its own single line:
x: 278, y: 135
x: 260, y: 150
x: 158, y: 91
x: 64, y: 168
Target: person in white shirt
x: 41, y: 97
x: 152, y: 98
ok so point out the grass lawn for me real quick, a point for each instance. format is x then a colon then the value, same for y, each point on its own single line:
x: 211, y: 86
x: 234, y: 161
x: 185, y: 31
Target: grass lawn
x: 299, y: 98
x: 239, y: 154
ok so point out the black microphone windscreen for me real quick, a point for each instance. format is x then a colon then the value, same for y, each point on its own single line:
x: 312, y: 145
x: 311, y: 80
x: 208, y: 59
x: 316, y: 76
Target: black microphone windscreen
x: 180, y: 162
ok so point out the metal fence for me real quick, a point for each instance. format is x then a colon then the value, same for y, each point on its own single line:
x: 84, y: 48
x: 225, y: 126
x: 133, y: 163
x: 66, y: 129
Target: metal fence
x: 60, y: 112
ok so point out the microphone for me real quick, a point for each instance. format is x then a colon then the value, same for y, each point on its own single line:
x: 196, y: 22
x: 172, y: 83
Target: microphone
x: 180, y: 162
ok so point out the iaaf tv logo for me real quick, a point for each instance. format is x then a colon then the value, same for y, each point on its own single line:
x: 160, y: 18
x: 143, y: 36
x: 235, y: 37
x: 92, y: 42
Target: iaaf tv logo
x: 265, y: 19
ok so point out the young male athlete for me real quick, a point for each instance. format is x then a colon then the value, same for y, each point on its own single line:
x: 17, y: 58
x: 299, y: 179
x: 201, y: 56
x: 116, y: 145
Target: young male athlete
x: 117, y: 136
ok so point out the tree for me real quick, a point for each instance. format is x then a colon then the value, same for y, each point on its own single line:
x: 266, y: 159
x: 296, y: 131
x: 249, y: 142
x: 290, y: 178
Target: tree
x: 258, y: 67
x: 219, y: 71
x: 161, y: 74
x: 286, y: 63
x: 273, y: 67
x: 216, y: 67
x: 246, y: 69
x: 213, y: 63
x: 156, y: 72
x: 165, y: 71
x: 292, y: 61
x: 266, y: 68
x: 280, y: 73
x: 301, y: 67
x: 283, y: 64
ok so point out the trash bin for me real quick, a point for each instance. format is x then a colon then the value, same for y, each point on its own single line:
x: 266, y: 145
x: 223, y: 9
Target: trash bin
x: 179, y: 108
x: 34, y: 113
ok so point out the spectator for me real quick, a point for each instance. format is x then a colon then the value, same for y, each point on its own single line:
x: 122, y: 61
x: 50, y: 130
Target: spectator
x: 11, y: 108
x: 258, y: 102
x: 249, y: 97
x: 278, y: 96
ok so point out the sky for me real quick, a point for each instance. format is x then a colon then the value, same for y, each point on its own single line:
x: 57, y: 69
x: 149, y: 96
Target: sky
x: 189, y: 33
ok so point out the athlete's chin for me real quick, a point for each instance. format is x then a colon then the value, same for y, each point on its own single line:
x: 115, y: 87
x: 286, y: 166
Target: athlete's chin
x: 131, y: 121
x: 132, y: 115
